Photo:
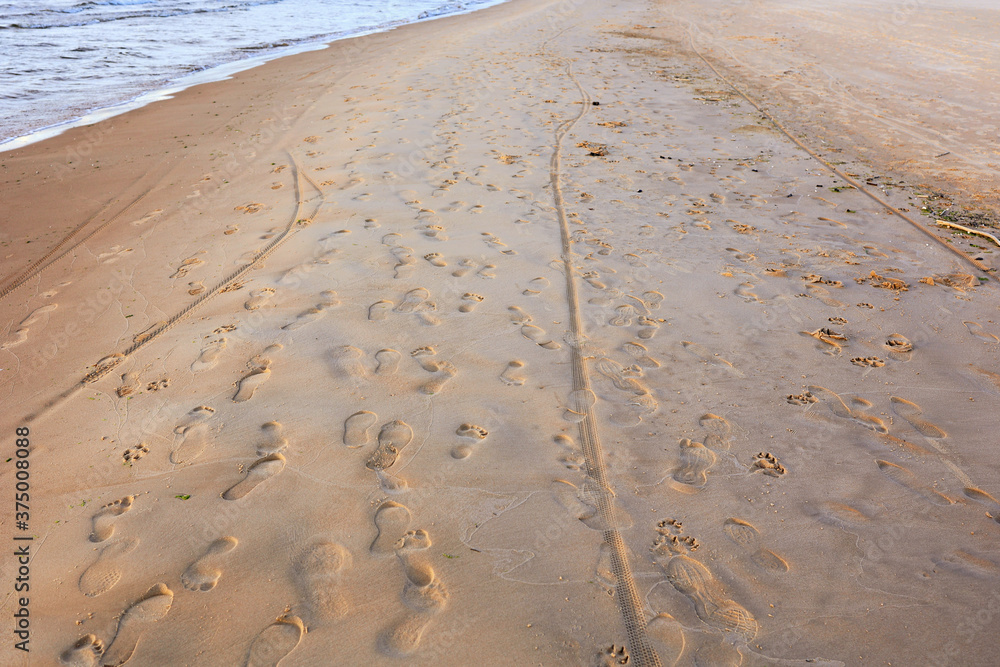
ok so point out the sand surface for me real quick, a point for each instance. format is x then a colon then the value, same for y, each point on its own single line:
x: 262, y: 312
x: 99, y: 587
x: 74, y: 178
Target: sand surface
x: 511, y: 338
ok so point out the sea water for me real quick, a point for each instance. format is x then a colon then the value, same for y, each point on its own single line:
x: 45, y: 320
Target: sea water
x: 60, y: 60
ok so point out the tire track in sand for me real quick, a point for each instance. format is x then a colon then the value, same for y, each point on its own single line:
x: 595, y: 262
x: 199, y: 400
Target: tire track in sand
x: 108, y: 363
x: 51, y: 257
x: 629, y: 602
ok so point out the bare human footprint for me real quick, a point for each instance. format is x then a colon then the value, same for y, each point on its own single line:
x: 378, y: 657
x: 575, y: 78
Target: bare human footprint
x: 84, y: 652
x: 275, y: 642
x: 443, y: 372
x: 911, y: 413
x: 152, y: 607
x: 259, y: 298
x: 106, y: 571
x: 391, y: 523
x: 192, y: 444
x: 387, y: 361
x: 318, y: 573
x: 261, y: 470
x: 209, y: 355
x: 512, y: 374
x: 204, y: 573
x: 104, y: 520
x: 250, y: 383
x: 356, y: 428
x: 393, y: 437
x: 274, y: 442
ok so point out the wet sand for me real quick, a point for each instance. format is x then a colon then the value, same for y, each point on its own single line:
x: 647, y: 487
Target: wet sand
x: 515, y: 338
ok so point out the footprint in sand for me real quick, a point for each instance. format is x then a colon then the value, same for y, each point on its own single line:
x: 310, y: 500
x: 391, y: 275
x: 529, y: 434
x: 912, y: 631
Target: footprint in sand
x: 356, y: 428
x: 259, y: 298
x: 107, y: 570
x: 623, y: 316
x: 472, y: 433
x: 261, y: 470
x: 830, y: 341
x: 391, y: 523
x: 152, y: 607
x: 747, y: 536
x: 307, y: 316
x: 273, y: 442
x: 697, y: 582
x: 209, y: 355
x: 435, y: 259
x: 538, y: 336
x: 911, y: 413
x: 648, y: 326
x: 487, y: 272
x: 511, y: 375
x: 571, y: 456
x: 470, y: 302
x: 346, y: 361
x: 640, y: 353
x: 745, y: 290
x: 378, y: 310
x: 986, y: 499
x: 414, y: 298
x: 909, y: 481
x: 578, y: 405
x: 393, y: 437
x: 443, y: 372
x: 975, y: 328
x: 705, y: 354
x: 387, y: 361
x: 104, y: 519
x: 250, y: 383
x: 85, y: 652
x: 838, y: 407
x: 275, y: 642
x: 464, y: 267
x: 518, y: 316
x: 695, y: 461
x: 718, y: 430
x: 204, y: 573
x: 535, y: 286
x: 423, y: 591
x: 899, y: 347
x: 318, y: 573
x: 192, y: 444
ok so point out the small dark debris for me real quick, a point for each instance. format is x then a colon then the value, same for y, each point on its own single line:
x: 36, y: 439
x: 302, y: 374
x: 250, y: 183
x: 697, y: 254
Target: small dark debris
x: 596, y: 104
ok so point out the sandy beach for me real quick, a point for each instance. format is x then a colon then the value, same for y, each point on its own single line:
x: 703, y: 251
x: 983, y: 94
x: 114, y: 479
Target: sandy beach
x: 557, y: 333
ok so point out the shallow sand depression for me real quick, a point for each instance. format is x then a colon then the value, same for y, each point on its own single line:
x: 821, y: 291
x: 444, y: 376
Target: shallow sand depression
x: 517, y: 337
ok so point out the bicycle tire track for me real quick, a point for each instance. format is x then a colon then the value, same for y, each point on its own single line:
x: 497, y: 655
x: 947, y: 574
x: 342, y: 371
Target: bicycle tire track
x: 50, y: 258
x: 629, y: 601
x: 115, y: 359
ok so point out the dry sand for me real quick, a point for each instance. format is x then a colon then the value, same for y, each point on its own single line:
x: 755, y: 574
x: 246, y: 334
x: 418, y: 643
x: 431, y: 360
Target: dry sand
x: 509, y: 338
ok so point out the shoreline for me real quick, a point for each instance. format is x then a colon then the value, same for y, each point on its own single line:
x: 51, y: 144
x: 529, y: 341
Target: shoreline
x: 209, y: 74
x: 508, y: 338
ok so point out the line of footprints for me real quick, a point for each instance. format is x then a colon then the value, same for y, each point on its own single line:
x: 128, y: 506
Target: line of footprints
x: 318, y: 574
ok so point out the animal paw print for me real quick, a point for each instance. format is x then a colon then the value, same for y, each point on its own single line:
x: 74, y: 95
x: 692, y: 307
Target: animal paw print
x: 612, y: 655
x: 224, y: 329
x: 801, y: 399
x: 873, y: 362
x: 158, y: 385
x: 671, y: 541
x: 838, y: 320
x: 768, y: 464
x: 133, y: 454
